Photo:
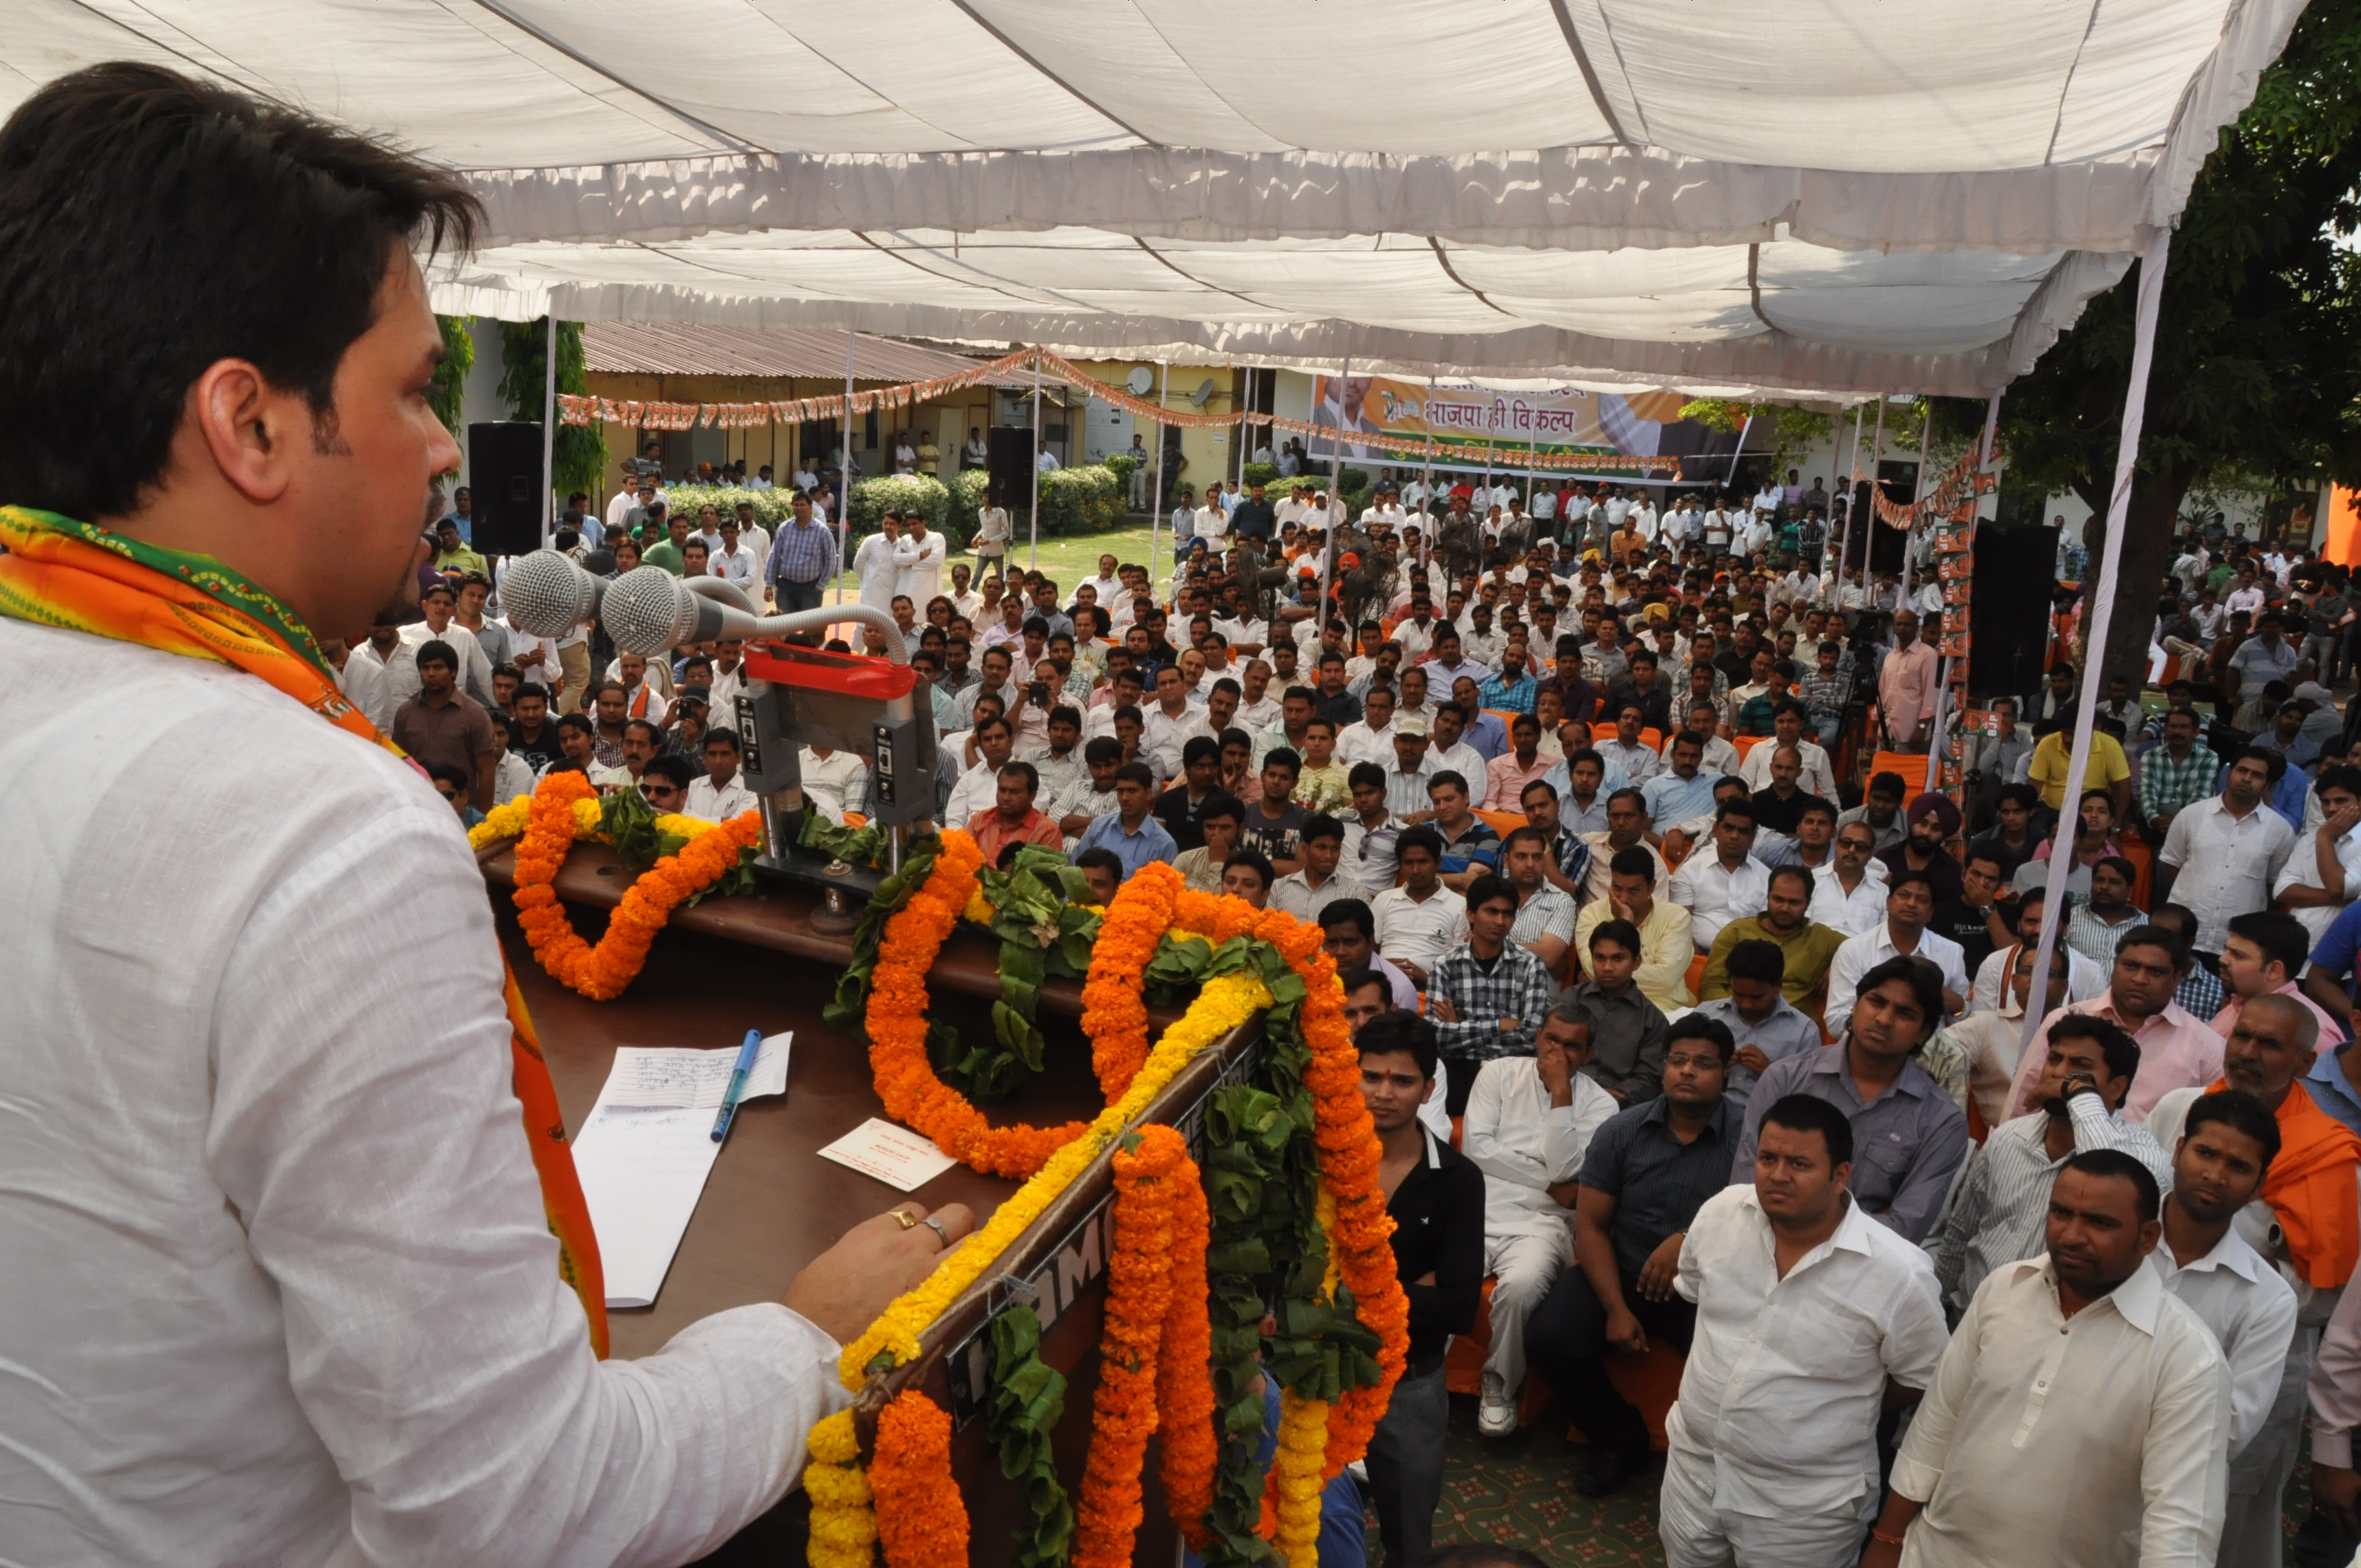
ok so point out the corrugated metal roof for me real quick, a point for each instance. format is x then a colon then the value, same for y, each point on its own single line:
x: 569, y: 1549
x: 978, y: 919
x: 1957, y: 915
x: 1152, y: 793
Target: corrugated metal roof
x: 641, y: 348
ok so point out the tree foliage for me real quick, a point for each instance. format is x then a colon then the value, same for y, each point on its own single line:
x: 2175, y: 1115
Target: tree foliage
x: 446, y: 392
x: 2257, y: 375
x: 1782, y: 431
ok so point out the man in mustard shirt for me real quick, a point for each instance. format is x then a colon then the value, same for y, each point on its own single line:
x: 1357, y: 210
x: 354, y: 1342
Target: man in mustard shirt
x: 2109, y: 770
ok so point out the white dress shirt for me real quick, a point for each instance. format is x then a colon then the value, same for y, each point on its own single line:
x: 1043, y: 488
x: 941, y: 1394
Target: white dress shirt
x: 1862, y: 909
x: 1356, y: 742
x: 1861, y: 953
x: 1294, y: 894
x: 2228, y: 864
x: 835, y: 783
x: 475, y: 672
x: 2252, y: 1314
x: 741, y: 565
x: 2102, y: 1438
x: 1714, y: 895
x: 289, y: 1287
x: 1818, y: 776
x: 1419, y: 932
x: 2303, y: 869
x: 978, y: 790
x: 1785, y: 1377
x: 363, y: 681
x: 918, y: 568
x: 719, y: 805
x: 1526, y: 1145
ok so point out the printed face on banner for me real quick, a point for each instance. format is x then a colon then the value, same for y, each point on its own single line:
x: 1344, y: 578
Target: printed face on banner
x: 1567, y: 420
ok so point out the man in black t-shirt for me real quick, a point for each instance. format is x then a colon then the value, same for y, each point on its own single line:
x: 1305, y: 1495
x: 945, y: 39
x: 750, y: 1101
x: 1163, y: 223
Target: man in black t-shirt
x: 533, y: 735
x: 1200, y: 776
x: 1976, y: 919
x: 1435, y: 1195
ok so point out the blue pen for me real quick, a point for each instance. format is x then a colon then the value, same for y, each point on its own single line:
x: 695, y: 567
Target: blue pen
x: 746, y: 1055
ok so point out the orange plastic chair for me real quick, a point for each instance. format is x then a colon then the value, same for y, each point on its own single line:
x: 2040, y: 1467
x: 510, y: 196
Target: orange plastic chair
x: 1651, y: 1381
x: 1652, y: 738
x: 1696, y: 973
x: 1501, y: 822
x: 1912, y: 766
x: 1746, y: 744
x: 2136, y: 851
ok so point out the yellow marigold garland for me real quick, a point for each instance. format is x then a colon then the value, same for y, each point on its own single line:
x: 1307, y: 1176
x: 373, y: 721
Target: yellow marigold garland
x: 1221, y: 1006
x: 1139, y: 1296
x: 843, y: 1523
x: 1295, y: 1477
x: 921, y: 1520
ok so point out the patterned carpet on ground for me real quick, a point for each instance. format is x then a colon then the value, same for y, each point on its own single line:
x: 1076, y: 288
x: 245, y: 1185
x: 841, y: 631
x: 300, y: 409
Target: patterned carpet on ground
x: 1518, y: 1491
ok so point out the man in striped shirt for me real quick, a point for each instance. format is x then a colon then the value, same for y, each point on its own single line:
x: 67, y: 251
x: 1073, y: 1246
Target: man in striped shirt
x: 2003, y: 1208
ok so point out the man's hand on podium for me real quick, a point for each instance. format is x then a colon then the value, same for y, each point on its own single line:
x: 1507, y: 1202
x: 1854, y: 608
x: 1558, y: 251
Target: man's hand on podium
x: 844, y: 1288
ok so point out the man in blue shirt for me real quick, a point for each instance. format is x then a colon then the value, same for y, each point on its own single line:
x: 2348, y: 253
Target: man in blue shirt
x: 1132, y: 834
x: 1685, y: 792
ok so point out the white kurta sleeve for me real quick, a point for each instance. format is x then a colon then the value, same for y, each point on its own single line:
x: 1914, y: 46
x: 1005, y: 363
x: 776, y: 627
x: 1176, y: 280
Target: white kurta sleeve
x: 364, y: 1130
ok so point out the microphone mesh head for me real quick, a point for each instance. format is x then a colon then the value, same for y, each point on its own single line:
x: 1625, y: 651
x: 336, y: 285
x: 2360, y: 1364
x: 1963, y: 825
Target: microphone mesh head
x: 644, y: 611
x: 547, y: 595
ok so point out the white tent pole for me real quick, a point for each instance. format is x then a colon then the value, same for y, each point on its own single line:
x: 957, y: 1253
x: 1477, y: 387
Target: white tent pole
x: 1034, y: 563
x: 1156, y: 501
x: 1852, y: 501
x: 1426, y: 481
x: 1739, y: 451
x: 2102, y: 609
x: 549, y: 435
x: 1335, y: 496
x: 844, y: 470
x: 1918, y: 498
x: 1868, y: 528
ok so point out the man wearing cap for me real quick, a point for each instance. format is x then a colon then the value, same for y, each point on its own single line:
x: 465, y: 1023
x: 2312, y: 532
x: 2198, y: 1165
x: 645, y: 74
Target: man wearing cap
x: 1932, y: 819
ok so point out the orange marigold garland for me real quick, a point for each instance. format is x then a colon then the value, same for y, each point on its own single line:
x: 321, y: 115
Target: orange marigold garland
x: 1186, y: 1450
x: 896, y: 1019
x: 601, y: 973
x: 921, y: 1520
x: 1114, y: 1008
x: 1139, y: 1294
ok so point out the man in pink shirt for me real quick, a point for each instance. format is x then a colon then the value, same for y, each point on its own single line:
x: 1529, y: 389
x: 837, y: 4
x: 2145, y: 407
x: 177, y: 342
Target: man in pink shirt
x: 1905, y: 686
x: 2261, y: 957
x: 1511, y: 770
x: 2177, y: 1050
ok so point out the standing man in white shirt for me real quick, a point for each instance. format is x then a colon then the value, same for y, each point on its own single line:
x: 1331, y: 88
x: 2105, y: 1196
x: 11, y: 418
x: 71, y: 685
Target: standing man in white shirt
x: 2224, y: 854
x: 917, y: 563
x: 1811, y: 1318
x: 2082, y: 1407
x: 873, y: 564
x: 1528, y: 1123
x: 2227, y: 1143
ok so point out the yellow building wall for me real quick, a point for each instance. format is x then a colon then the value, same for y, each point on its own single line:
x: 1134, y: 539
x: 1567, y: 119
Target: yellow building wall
x: 1211, y: 453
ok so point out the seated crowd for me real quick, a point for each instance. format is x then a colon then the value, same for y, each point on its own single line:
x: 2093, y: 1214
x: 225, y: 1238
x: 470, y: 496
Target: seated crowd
x: 1680, y: 1041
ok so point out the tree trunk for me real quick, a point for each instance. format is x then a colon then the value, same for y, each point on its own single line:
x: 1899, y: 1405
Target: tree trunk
x: 2148, y: 554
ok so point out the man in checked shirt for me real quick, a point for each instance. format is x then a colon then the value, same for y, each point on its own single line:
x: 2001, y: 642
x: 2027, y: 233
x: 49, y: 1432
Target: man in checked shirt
x: 1486, y: 996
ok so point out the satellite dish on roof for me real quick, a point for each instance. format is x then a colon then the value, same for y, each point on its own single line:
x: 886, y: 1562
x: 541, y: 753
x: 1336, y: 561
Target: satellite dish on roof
x: 1142, y: 380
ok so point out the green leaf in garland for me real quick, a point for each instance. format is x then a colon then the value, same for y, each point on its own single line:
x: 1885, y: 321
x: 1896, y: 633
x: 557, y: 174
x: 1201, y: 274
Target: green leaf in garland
x: 1027, y: 1399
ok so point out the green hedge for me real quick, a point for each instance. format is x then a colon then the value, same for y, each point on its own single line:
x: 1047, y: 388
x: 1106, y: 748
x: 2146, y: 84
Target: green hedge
x: 1087, y: 499
x: 905, y: 493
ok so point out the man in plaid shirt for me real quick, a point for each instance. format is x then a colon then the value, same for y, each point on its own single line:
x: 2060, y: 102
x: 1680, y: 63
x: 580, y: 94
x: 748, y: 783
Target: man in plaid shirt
x: 1487, y: 997
x: 1825, y: 691
x: 2176, y: 774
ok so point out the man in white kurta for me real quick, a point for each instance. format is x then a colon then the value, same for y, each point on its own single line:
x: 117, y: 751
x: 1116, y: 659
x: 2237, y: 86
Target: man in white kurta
x: 1527, y: 1127
x: 919, y: 564
x: 880, y: 574
x: 281, y: 1284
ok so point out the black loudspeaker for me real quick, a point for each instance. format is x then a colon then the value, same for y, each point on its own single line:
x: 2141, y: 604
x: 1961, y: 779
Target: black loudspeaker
x: 1880, y: 545
x: 505, y: 478
x: 2014, y: 570
x: 1012, y: 467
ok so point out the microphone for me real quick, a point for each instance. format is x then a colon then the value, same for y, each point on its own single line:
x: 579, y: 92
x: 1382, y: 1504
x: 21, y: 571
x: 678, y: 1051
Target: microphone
x: 547, y: 595
x: 649, y: 610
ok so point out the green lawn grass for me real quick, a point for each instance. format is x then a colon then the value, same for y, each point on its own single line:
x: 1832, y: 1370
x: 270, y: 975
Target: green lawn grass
x: 1069, y: 559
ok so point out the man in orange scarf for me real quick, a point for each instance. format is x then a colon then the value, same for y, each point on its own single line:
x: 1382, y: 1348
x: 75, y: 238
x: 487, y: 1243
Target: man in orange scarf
x: 2308, y: 1220
x: 301, y: 1273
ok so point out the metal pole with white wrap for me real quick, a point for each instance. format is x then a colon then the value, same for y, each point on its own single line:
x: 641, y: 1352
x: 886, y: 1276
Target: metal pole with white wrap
x: 844, y: 470
x: 2102, y: 611
x: 549, y: 435
x: 1336, y: 497
x: 1156, y: 501
x: 1852, y: 504
x: 1035, y: 458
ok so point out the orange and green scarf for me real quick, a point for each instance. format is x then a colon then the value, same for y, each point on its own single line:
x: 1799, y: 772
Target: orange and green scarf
x: 58, y: 572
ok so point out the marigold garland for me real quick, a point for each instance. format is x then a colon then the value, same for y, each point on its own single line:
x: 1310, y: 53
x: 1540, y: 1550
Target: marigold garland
x: 921, y: 1520
x: 1139, y: 1294
x: 1295, y: 1477
x: 843, y: 1523
x: 1225, y: 1002
x: 1114, y: 1007
x: 601, y: 973
x: 913, y: 1093
x: 1186, y: 1447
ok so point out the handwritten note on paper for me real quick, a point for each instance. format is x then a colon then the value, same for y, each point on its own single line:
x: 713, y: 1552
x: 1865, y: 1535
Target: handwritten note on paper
x: 647, y: 1148
x: 895, y: 1155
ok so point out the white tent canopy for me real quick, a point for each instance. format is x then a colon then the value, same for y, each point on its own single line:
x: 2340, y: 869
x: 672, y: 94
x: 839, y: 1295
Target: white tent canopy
x: 1828, y: 196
